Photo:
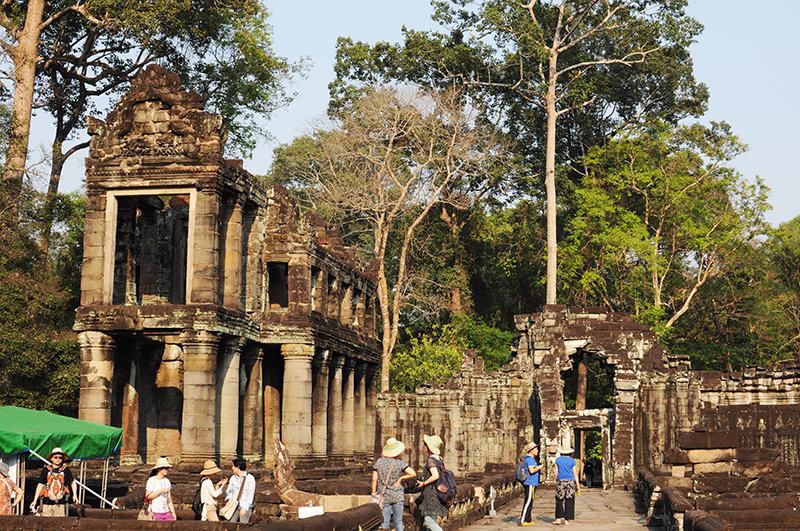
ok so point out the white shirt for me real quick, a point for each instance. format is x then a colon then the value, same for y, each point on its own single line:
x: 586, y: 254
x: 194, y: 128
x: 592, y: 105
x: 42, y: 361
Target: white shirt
x: 159, y: 504
x: 248, y: 492
x: 208, y: 495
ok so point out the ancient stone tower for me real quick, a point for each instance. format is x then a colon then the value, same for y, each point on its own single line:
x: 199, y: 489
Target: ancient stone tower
x: 214, y: 318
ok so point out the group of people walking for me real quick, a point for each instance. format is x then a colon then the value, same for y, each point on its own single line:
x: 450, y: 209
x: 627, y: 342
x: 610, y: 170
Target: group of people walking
x: 567, y: 485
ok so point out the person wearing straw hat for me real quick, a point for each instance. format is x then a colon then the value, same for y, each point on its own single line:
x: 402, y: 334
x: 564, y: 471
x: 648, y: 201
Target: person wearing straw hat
x: 388, y: 474
x: 158, y: 491
x: 210, y: 490
x: 566, y: 486
x: 431, y: 508
x: 8, y: 490
x: 530, y: 484
x: 56, y: 485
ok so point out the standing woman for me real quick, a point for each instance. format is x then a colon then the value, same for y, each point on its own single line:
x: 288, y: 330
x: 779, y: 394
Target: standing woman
x: 566, y: 486
x: 388, y: 474
x: 210, y: 490
x: 530, y: 484
x: 8, y: 489
x: 159, y: 491
x: 432, y: 508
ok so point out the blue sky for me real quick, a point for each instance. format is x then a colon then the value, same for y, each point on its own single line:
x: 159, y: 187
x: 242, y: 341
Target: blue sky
x: 747, y: 55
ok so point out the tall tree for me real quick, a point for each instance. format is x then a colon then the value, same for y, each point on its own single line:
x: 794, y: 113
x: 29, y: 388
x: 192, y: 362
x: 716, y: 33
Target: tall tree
x: 596, y: 63
x: 661, y: 213
x: 385, y: 165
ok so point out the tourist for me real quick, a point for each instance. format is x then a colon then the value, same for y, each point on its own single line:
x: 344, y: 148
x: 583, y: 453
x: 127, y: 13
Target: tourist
x: 158, y: 492
x: 7, y: 491
x: 566, y: 486
x: 210, y: 490
x: 431, y: 508
x: 241, y: 489
x: 530, y: 484
x: 388, y: 474
x: 56, y: 485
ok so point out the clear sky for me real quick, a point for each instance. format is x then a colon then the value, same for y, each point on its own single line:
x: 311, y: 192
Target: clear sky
x: 747, y: 55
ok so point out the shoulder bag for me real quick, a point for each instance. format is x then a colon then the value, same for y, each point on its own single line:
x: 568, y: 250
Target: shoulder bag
x: 378, y: 498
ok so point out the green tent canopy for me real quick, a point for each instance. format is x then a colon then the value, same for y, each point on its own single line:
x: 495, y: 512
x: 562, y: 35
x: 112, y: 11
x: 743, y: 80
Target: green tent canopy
x: 41, y: 431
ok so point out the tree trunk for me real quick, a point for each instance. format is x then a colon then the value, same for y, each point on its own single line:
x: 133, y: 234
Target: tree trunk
x: 25, y: 57
x: 57, y: 166
x: 550, y: 182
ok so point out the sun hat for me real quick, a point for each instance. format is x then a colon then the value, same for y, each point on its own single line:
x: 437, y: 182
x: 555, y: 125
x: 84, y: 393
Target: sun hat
x: 565, y: 450
x: 393, y: 448
x: 433, y: 442
x: 209, y: 468
x: 55, y: 451
x: 530, y: 446
x: 162, y: 463
x: 3, y: 469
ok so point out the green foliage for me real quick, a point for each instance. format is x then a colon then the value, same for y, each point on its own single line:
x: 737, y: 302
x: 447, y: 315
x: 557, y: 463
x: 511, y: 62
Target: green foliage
x: 435, y: 353
x: 39, y: 356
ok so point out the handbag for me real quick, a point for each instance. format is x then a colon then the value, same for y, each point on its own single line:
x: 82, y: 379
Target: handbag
x: 232, y: 504
x: 377, y: 498
x: 144, y: 512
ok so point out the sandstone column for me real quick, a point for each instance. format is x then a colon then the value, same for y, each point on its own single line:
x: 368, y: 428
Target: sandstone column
x: 319, y: 401
x: 335, y: 408
x: 372, y: 376
x: 169, y: 392
x: 228, y: 399
x: 273, y: 383
x: 129, y: 454
x: 253, y: 406
x: 97, y: 375
x: 360, y: 412
x: 296, y: 411
x: 203, y: 281
x: 348, y: 408
x: 232, y: 259
x: 198, y: 431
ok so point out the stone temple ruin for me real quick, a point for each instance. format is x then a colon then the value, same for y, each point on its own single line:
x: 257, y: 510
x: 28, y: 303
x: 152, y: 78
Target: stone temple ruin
x: 215, y: 319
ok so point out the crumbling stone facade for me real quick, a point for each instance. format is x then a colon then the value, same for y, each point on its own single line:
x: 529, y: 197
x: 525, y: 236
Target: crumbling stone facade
x: 214, y: 318
x: 687, y: 425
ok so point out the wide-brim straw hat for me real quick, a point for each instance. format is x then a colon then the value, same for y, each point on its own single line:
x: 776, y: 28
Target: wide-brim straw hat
x: 434, y: 443
x: 530, y: 446
x: 210, y: 468
x: 393, y: 448
x: 58, y: 451
x: 162, y: 463
x: 565, y: 450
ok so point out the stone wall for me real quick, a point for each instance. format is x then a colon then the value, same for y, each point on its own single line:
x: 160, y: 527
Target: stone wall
x: 484, y: 418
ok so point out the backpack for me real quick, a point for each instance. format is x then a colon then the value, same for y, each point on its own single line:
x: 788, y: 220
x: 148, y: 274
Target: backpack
x: 521, y: 471
x: 197, y: 503
x: 56, y: 488
x: 446, y: 486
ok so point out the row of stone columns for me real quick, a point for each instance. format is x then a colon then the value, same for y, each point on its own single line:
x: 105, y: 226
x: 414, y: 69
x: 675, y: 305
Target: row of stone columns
x: 328, y: 401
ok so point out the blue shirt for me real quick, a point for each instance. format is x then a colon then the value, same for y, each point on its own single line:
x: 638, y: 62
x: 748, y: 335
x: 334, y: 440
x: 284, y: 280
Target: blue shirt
x: 533, y: 479
x: 565, y: 464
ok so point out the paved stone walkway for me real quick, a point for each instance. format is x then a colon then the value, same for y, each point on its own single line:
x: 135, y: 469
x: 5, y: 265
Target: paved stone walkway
x: 595, y: 509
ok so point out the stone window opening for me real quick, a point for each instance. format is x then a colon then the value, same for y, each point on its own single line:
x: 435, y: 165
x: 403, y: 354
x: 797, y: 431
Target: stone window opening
x: 346, y: 312
x: 596, y: 390
x: 150, y: 254
x: 278, y: 290
x: 356, y: 308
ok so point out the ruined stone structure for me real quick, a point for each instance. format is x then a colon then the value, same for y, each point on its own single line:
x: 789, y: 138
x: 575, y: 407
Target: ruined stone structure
x: 484, y: 418
x: 214, y: 319
x: 658, y: 401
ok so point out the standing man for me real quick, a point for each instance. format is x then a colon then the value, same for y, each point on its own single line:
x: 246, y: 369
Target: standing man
x: 242, y: 486
x: 432, y: 508
x: 530, y: 484
x: 56, y: 486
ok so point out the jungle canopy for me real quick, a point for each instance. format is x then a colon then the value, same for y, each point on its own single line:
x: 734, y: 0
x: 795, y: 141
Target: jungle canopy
x: 41, y: 431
